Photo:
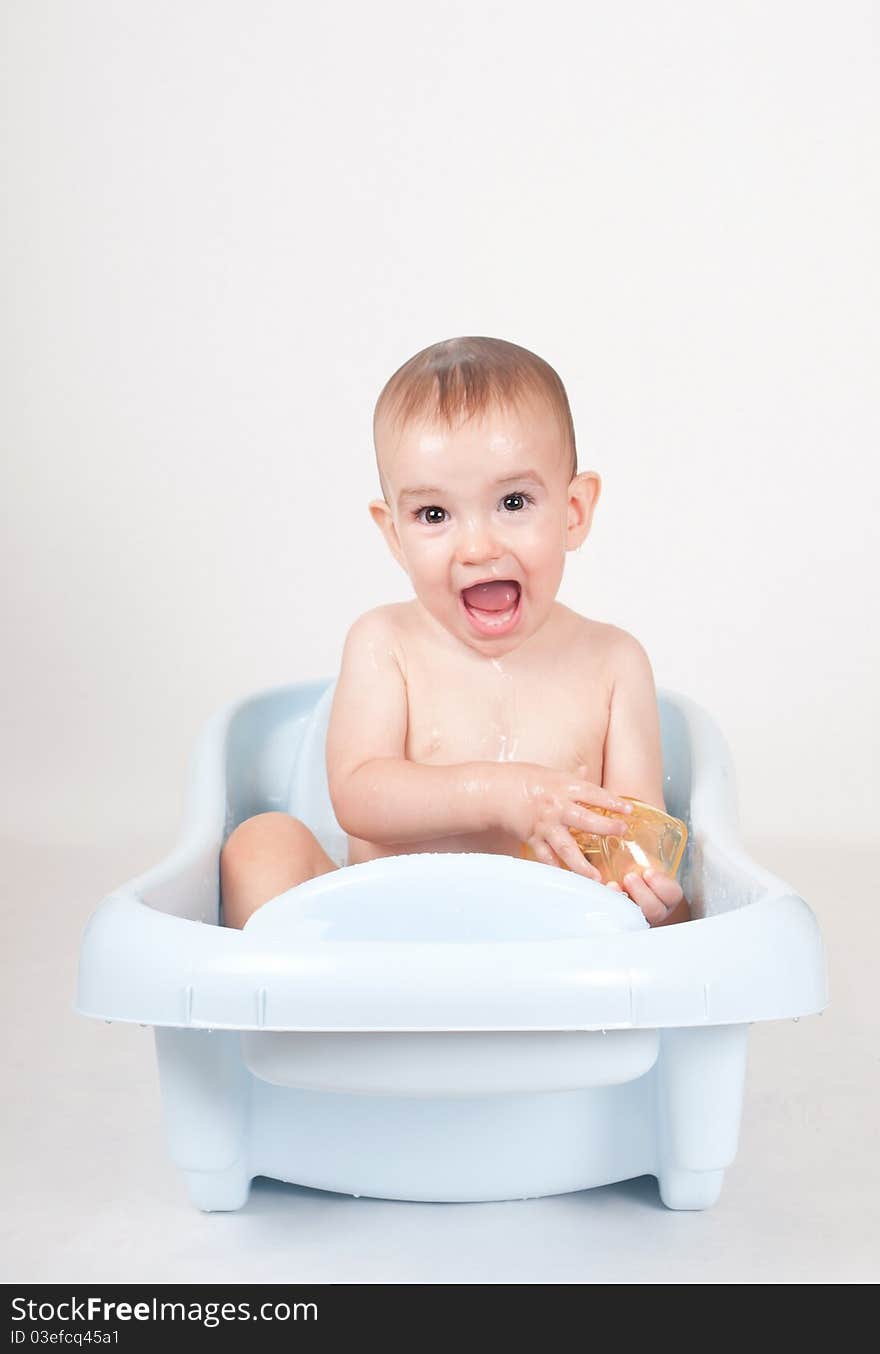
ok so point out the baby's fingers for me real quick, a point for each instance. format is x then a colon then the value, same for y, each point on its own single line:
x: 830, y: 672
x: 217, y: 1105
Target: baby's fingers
x: 585, y: 790
x: 667, y: 889
x: 647, y: 893
x: 541, y: 851
x: 576, y: 815
x: 568, y: 851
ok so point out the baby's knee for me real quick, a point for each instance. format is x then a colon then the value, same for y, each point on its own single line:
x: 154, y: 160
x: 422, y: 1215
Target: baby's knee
x: 263, y: 831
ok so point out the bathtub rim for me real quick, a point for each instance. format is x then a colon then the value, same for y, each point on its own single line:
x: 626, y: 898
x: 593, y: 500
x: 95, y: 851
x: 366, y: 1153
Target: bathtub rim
x: 140, y: 955
x: 145, y: 967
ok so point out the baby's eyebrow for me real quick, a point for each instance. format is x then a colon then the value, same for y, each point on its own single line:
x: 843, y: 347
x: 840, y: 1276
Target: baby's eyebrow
x: 425, y: 491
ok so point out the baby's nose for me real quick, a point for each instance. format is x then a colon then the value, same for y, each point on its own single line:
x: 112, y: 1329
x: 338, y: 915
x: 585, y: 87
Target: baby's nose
x: 477, y: 542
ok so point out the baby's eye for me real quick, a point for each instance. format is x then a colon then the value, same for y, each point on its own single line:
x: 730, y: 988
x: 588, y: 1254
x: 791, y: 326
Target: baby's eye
x: 432, y: 521
x: 516, y: 502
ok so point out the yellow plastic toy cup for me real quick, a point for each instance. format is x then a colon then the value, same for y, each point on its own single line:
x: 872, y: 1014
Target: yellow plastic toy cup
x: 653, y: 840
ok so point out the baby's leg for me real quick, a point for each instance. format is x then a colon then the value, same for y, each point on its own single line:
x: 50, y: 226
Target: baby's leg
x: 264, y: 856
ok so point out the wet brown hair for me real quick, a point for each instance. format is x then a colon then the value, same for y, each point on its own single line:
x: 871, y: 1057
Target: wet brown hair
x: 462, y: 377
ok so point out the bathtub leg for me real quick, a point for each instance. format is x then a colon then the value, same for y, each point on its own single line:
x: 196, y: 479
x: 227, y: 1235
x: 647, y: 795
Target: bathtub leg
x: 700, y: 1077
x: 206, y: 1097
x: 689, y: 1189
x: 219, y: 1191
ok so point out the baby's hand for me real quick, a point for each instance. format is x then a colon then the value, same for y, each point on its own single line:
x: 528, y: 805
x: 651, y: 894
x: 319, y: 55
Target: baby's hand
x: 539, y: 805
x: 656, y: 893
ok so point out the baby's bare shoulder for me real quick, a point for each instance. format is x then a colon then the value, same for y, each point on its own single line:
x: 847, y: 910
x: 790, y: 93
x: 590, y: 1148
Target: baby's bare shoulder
x: 375, y: 639
x: 377, y: 618
x: 624, y: 660
x: 606, y: 644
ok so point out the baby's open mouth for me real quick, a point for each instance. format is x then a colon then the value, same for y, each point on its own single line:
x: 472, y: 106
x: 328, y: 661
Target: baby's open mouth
x: 493, y: 606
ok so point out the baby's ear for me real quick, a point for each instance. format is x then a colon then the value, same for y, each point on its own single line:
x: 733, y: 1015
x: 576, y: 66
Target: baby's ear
x: 382, y: 516
x: 583, y: 494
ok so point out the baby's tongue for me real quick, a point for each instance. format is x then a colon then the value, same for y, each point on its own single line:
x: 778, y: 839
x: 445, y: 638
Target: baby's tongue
x: 499, y: 595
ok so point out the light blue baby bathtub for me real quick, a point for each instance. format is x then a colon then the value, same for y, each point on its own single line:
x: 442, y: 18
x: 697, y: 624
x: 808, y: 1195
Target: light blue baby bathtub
x: 447, y: 1026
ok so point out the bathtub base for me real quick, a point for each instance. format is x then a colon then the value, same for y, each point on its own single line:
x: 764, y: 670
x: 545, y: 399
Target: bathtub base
x: 228, y: 1191
x: 678, y: 1121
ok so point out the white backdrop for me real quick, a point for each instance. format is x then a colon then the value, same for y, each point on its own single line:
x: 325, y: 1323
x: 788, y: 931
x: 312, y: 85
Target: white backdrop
x: 228, y: 223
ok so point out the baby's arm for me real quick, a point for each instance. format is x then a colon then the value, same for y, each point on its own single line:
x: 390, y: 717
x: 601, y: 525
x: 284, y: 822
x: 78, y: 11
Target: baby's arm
x: 633, y: 765
x: 377, y: 794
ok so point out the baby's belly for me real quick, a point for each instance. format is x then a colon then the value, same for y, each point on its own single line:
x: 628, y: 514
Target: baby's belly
x: 493, y: 843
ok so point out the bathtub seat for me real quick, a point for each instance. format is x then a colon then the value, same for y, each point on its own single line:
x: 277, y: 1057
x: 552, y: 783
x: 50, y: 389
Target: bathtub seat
x: 446, y: 1026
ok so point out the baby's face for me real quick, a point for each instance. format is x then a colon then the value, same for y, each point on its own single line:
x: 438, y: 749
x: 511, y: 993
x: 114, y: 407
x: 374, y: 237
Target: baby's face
x: 491, y: 503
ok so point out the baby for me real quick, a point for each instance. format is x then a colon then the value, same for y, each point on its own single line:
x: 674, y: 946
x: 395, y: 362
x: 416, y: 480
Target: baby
x: 482, y: 715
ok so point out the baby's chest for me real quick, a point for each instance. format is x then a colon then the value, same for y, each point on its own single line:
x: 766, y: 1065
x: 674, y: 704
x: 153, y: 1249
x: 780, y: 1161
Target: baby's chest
x: 552, y: 722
